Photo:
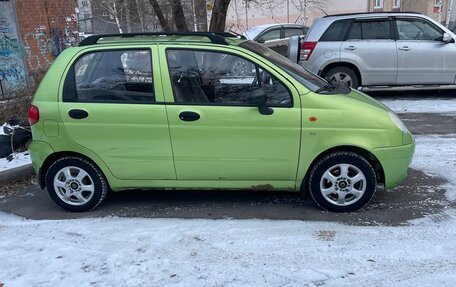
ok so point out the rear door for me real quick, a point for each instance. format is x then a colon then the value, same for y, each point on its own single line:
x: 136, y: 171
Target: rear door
x: 371, y: 46
x: 423, y: 57
x: 216, y: 133
x: 112, y: 105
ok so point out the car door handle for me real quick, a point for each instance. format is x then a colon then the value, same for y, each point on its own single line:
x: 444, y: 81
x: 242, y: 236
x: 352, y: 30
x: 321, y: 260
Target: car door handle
x: 78, y: 114
x: 189, y: 116
x: 405, y: 48
x: 350, y: 48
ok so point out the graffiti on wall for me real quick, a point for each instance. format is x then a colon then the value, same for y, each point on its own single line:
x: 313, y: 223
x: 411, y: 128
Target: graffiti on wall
x: 12, y: 70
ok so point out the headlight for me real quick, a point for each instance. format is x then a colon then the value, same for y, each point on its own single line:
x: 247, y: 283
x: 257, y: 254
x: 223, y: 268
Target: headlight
x: 399, y: 124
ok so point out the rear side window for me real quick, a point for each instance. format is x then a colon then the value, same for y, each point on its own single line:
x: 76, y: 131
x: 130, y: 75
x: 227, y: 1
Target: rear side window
x: 289, y: 32
x: 336, y: 31
x: 371, y: 30
x: 121, y: 76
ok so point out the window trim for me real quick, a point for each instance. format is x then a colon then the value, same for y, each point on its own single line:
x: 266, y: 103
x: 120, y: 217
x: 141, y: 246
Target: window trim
x: 397, y: 4
x: 72, y: 90
x: 380, y: 5
x: 291, y: 105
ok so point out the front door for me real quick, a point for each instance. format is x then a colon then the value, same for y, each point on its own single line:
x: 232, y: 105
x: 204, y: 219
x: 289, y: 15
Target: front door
x: 110, y: 106
x: 423, y: 58
x: 216, y: 133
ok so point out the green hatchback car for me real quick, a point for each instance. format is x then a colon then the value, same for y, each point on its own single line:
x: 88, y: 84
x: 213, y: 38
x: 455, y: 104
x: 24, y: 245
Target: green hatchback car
x: 163, y: 111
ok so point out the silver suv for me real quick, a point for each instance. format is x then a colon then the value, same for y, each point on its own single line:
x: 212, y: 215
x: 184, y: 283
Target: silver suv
x: 375, y: 50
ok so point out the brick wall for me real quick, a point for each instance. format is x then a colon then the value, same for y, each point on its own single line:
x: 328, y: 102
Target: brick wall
x: 46, y: 28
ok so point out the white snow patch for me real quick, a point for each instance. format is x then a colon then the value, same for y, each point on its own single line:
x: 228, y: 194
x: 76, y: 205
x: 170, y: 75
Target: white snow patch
x: 436, y: 155
x: 421, y: 106
x: 179, y: 252
x: 19, y: 159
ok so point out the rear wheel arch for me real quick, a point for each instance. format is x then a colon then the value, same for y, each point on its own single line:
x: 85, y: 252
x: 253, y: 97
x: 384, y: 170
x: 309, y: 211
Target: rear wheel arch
x: 370, y: 157
x: 343, y: 64
x: 58, y: 155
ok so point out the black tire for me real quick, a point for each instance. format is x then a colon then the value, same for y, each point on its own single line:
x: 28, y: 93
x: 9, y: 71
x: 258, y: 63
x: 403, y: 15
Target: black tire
x: 339, y: 158
x: 96, y: 176
x: 344, y: 70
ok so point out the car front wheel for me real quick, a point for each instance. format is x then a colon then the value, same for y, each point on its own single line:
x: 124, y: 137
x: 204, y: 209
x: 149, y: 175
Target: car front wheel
x: 342, y: 182
x: 343, y: 75
x: 76, y: 184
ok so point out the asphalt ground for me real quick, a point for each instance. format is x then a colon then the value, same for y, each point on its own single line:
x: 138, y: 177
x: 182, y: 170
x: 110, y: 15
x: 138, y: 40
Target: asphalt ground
x: 420, y: 195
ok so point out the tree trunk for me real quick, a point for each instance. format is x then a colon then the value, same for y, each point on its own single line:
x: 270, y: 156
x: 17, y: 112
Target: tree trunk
x: 140, y: 15
x: 159, y: 13
x: 116, y: 16
x: 218, y: 18
x: 179, y: 16
x: 201, y: 15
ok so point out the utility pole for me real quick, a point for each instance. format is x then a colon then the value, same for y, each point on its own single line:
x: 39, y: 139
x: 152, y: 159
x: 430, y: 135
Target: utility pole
x: 246, y: 16
x: 448, y: 18
x: 440, y: 12
x: 288, y: 11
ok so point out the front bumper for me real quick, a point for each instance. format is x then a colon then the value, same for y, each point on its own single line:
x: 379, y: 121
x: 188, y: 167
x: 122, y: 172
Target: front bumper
x: 395, y: 162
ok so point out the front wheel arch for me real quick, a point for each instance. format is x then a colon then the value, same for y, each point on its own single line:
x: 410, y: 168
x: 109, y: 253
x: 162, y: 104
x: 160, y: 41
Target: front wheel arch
x: 351, y: 66
x: 370, y: 157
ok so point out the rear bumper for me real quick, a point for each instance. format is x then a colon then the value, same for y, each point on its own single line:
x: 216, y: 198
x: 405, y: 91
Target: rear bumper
x: 395, y: 162
x: 39, y: 152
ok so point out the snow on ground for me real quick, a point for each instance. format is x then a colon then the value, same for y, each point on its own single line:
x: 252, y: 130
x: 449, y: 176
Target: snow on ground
x: 421, y: 105
x: 18, y: 159
x: 116, y: 251
x: 180, y: 252
x: 436, y: 155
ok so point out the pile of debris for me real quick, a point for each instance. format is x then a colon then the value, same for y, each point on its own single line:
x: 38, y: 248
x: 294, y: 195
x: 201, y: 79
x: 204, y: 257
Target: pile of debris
x: 14, y: 136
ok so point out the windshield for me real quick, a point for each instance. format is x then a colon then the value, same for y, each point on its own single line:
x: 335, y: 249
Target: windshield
x: 309, y: 80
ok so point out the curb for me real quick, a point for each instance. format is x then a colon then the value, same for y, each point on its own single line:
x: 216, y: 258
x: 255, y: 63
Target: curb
x: 16, y: 173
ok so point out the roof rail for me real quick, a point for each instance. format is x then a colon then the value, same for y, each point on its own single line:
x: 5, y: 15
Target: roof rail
x: 215, y: 37
x: 368, y: 13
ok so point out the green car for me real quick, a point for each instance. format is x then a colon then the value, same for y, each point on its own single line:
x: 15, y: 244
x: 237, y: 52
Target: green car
x: 164, y: 111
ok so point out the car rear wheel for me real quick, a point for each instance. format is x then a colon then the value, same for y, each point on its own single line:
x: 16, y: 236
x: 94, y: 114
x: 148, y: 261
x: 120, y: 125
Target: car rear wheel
x: 240, y: 68
x: 342, y: 182
x: 76, y: 184
x: 344, y: 76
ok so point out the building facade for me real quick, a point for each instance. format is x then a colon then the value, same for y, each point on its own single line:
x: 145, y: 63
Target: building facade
x: 32, y: 34
x: 439, y: 10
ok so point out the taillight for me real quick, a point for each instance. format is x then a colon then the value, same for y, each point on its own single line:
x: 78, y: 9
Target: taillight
x: 306, y: 50
x: 33, y: 115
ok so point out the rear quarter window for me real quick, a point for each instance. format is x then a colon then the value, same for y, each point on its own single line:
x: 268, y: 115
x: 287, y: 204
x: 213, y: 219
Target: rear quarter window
x: 336, y: 31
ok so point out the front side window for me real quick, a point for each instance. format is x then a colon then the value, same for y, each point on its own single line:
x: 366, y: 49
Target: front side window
x: 214, y: 78
x: 270, y: 35
x: 371, y: 30
x: 415, y: 29
x: 111, y: 76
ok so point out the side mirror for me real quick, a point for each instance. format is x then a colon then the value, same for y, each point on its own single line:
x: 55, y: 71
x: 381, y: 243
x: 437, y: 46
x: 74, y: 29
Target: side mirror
x: 447, y: 38
x: 258, y: 98
x: 261, y: 40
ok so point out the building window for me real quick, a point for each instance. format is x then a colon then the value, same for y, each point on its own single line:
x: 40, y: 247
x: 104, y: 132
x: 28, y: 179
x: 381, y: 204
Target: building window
x: 437, y: 3
x: 397, y: 4
x: 378, y: 4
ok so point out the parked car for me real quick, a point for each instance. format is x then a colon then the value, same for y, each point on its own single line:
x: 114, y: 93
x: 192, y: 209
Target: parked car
x: 381, y: 49
x: 275, y: 36
x: 155, y: 110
